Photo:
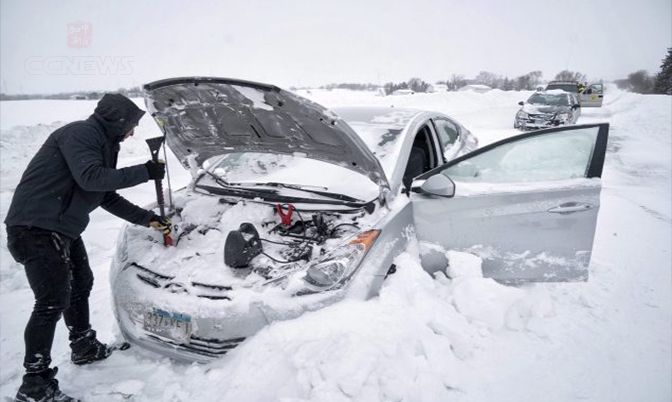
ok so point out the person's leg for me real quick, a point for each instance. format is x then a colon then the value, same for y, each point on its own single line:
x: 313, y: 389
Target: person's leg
x: 77, y: 315
x: 49, y: 278
x: 85, y: 347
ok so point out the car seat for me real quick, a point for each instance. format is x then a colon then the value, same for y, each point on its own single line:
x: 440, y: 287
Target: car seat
x: 416, y: 164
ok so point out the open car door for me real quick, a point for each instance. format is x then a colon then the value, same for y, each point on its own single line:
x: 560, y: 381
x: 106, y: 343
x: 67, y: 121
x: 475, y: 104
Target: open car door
x: 592, y: 96
x: 527, y: 205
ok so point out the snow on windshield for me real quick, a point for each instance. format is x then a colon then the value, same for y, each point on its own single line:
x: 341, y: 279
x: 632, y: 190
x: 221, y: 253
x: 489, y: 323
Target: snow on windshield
x: 253, y: 167
x: 549, y: 99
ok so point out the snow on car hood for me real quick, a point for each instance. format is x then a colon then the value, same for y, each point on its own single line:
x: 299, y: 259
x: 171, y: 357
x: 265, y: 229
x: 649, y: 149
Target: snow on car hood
x: 203, y: 117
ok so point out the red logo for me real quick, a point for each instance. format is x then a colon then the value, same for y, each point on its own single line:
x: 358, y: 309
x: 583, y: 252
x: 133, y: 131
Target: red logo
x: 80, y: 34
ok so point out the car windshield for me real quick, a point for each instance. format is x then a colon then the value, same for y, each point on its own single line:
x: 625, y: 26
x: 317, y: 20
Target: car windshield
x: 252, y: 169
x: 548, y: 99
x: 564, y: 87
x: 381, y: 130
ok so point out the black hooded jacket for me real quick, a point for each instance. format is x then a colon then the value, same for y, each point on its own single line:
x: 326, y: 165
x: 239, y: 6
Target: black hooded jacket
x: 74, y: 172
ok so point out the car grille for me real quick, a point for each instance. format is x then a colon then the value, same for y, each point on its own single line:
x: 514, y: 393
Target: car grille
x: 545, y: 118
x: 215, y: 347
x: 159, y: 281
x: 208, y: 347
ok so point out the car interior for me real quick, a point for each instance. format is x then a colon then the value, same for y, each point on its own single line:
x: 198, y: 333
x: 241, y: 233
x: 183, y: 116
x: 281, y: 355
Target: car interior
x: 421, y: 159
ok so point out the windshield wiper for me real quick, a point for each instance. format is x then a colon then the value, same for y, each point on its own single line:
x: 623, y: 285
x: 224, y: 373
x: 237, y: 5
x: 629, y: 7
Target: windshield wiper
x: 235, y: 187
x: 327, y: 194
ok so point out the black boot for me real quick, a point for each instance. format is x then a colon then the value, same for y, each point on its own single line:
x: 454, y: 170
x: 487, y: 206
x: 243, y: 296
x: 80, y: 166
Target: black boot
x: 42, y: 387
x: 86, y: 348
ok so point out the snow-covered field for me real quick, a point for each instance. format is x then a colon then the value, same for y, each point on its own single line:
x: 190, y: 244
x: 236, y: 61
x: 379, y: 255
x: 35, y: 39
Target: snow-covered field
x: 424, y: 338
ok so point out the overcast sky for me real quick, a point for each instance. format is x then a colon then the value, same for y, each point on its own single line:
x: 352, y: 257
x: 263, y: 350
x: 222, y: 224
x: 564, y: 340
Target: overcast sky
x: 314, y: 42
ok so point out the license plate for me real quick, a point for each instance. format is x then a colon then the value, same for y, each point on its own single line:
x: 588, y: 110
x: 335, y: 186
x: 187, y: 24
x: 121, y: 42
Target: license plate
x: 539, y: 121
x: 170, y: 325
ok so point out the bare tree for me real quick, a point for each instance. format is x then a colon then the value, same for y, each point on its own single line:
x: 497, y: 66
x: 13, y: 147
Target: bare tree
x: 640, y: 82
x: 566, y: 75
x: 528, y: 81
x: 535, y: 78
x: 487, y: 78
x: 456, y: 82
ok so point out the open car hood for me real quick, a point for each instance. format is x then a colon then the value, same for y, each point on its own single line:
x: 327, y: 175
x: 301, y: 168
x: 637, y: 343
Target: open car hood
x: 202, y: 117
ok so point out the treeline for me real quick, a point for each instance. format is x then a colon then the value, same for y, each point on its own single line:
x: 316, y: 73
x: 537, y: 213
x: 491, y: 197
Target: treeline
x: 639, y: 81
x: 133, y: 92
x: 353, y: 87
x: 527, y: 82
x: 414, y: 84
x: 644, y: 83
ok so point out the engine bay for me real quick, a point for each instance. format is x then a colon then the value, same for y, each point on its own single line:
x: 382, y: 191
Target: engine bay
x: 243, y: 244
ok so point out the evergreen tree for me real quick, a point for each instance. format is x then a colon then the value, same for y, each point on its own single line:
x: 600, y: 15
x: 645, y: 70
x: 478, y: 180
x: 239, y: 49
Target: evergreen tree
x: 663, y: 80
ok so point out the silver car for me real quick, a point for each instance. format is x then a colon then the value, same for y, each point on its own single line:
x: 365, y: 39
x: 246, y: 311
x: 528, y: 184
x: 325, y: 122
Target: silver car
x: 293, y: 207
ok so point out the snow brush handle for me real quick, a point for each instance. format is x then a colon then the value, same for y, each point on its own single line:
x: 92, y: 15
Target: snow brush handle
x: 154, y: 147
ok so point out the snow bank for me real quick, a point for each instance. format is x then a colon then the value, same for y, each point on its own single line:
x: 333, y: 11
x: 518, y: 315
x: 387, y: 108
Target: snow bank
x: 451, y: 336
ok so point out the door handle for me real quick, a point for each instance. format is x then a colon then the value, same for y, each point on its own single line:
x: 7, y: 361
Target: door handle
x: 571, y: 207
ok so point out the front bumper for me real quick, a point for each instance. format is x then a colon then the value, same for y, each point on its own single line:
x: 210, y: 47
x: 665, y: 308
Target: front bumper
x: 219, y: 323
x: 533, y: 122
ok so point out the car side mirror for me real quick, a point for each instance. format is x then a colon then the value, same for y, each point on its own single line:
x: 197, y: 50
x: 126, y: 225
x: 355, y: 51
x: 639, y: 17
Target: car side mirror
x: 521, y: 103
x: 438, y: 185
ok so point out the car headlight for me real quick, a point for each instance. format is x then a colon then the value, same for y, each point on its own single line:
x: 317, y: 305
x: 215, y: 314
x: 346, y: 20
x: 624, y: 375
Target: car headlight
x: 521, y: 115
x: 562, y: 117
x: 336, y: 267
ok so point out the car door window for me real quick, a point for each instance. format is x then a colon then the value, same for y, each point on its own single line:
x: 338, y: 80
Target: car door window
x: 447, y: 131
x: 594, y: 89
x: 541, y: 157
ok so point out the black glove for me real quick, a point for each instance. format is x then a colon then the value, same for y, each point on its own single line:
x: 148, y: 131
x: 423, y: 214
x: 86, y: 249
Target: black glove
x: 156, y: 170
x: 161, y: 223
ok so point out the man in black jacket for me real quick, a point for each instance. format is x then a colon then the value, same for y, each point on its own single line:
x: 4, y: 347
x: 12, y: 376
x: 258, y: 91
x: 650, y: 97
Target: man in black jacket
x: 73, y: 173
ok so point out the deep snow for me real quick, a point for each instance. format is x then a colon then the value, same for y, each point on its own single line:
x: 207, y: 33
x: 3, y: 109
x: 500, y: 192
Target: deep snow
x: 424, y: 338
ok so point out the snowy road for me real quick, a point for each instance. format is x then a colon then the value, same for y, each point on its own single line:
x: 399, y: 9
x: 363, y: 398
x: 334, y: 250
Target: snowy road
x: 423, y: 338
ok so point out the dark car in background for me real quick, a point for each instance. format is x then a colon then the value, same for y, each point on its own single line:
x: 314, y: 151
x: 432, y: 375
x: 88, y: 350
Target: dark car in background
x: 548, y: 109
x: 590, y: 95
x: 567, y: 86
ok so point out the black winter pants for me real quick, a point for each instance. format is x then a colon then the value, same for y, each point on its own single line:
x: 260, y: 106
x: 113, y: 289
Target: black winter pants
x: 59, y: 274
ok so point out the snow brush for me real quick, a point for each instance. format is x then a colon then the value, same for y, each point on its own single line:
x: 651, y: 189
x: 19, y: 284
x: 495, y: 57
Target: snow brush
x: 154, y: 147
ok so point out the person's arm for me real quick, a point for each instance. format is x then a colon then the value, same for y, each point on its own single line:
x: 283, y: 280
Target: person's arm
x: 124, y: 209
x: 83, y: 148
